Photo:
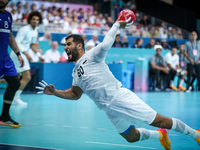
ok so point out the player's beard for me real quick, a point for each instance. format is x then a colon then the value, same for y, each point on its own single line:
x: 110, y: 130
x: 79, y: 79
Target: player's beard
x: 74, y: 55
x: 4, y: 5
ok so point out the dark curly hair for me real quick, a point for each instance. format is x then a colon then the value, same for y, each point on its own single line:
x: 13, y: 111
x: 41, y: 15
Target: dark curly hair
x: 34, y: 13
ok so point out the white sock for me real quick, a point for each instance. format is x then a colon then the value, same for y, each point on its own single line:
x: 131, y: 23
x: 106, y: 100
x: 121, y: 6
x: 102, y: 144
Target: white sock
x: 148, y: 134
x: 172, y: 82
x: 181, y: 127
x: 181, y: 82
x: 17, y: 94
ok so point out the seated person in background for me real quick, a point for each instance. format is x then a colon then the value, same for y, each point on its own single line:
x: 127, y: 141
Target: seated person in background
x: 62, y: 42
x: 157, y: 68
x: 138, y: 43
x: 34, y: 57
x: 93, y: 41
x: 46, y: 37
x: 117, y: 42
x: 151, y: 44
x: 164, y: 44
x: 52, y: 55
x: 124, y: 41
x: 171, y: 60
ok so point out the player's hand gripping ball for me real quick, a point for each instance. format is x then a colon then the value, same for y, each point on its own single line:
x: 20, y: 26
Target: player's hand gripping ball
x: 128, y: 16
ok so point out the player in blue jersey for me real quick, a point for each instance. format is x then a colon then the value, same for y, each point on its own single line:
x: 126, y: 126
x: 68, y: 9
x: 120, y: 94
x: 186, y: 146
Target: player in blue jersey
x: 7, y: 68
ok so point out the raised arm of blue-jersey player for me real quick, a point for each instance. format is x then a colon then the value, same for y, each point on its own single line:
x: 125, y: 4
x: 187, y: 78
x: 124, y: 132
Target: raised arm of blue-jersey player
x: 101, y: 49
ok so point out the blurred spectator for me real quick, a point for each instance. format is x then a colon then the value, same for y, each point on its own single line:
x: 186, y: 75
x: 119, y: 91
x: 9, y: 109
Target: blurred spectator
x: 157, y: 69
x: 62, y: 42
x: 145, y: 32
x: 94, y: 41
x: 137, y: 18
x: 145, y: 21
x: 171, y: 60
x: 14, y: 15
x: 89, y: 47
x: 110, y: 21
x: 33, y: 7
x: 33, y: 55
x: 151, y: 44
x: 46, y: 37
x: 172, y: 33
x: 124, y: 42
x: 162, y: 27
x: 192, y: 52
x: 153, y: 32
x: 138, y: 43
x: 163, y: 34
x: 179, y: 34
x: 26, y: 8
x: 164, y: 44
x: 131, y: 4
x: 134, y: 30
x: 117, y: 42
x: 52, y: 55
x: 183, y: 64
x: 19, y: 13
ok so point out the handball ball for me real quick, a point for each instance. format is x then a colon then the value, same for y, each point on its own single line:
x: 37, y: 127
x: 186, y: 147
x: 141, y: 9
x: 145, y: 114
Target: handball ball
x: 125, y: 14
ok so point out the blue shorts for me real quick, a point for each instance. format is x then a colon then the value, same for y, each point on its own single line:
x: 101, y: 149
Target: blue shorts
x: 7, y: 68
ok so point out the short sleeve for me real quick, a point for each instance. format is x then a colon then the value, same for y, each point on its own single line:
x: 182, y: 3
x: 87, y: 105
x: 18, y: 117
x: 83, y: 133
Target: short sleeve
x: 152, y: 59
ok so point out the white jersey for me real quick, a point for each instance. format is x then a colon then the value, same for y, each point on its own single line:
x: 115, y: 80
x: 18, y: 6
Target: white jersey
x: 95, y: 79
x: 172, y: 60
x: 26, y: 36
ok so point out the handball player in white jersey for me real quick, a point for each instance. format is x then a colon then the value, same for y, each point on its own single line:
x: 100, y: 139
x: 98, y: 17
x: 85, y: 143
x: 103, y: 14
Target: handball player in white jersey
x: 26, y: 38
x: 123, y: 108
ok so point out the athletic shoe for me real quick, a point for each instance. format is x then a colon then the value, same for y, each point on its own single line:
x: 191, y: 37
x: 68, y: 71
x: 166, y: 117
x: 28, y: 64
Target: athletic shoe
x: 19, y: 102
x: 181, y: 88
x: 9, y: 122
x: 198, y: 139
x: 164, y: 140
x: 173, y: 87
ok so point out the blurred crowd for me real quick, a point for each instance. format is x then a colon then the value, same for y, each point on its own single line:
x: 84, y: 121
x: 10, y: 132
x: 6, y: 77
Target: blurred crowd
x: 97, y: 22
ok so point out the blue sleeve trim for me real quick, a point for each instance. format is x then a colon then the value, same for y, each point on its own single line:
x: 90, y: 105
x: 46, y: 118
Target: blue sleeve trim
x: 128, y: 130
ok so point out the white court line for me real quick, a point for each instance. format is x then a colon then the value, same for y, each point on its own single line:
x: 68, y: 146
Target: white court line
x: 67, y: 126
x: 50, y: 125
x: 119, y: 145
x: 84, y: 127
x: 101, y: 129
x: 31, y: 146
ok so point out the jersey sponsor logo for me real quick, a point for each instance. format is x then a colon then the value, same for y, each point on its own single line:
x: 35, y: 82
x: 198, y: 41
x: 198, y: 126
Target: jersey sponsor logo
x: 80, y: 71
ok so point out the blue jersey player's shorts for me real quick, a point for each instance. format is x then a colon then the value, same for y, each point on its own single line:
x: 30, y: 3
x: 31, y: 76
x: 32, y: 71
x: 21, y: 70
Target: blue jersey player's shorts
x: 7, y: 68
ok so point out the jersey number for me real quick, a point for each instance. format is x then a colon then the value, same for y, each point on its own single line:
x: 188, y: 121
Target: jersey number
x: 80, y: 71
x: 6, y: 24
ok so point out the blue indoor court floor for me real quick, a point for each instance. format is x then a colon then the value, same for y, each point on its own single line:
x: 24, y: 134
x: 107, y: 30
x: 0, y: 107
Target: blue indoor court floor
x: 50, y: 123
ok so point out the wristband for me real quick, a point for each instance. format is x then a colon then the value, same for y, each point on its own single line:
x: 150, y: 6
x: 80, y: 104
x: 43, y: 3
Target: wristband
x: 38, y: 54
x: 18, y: 53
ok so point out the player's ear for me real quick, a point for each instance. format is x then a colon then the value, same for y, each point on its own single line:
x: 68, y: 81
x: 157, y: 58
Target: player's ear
x: 79, y: 46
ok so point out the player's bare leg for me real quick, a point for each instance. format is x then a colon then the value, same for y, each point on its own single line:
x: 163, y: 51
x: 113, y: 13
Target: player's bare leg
x: 26, y: 77
x: 163, y: 123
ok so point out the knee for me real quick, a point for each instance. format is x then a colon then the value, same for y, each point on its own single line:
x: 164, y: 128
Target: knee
x: 131, y: 139
x: 16, y: 85
x: 27, y: 78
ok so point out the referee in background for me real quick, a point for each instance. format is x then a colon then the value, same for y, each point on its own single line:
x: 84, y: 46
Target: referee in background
x: 192, y: 53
